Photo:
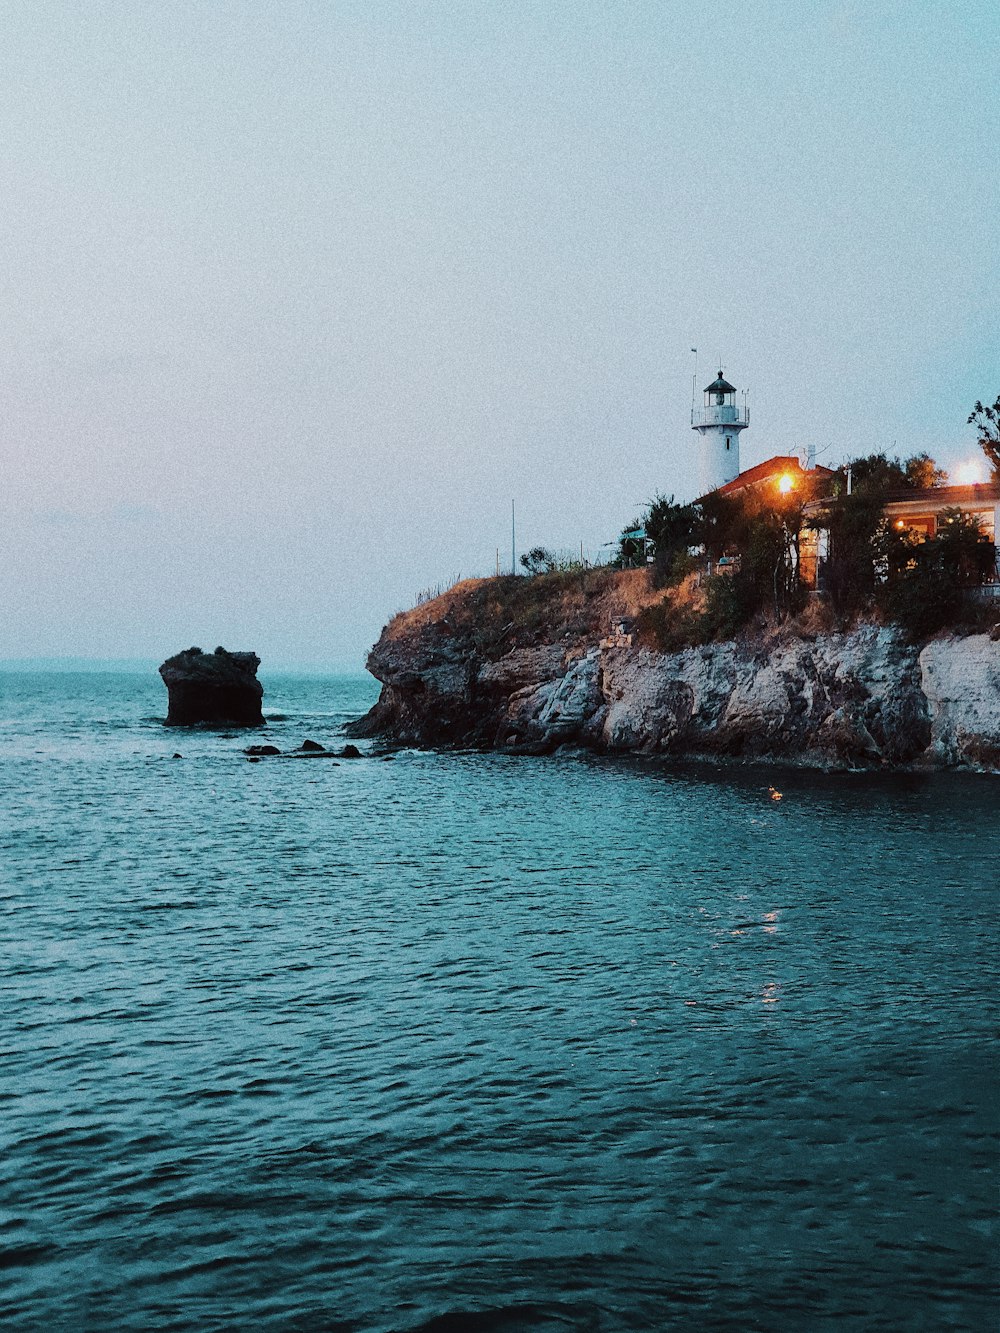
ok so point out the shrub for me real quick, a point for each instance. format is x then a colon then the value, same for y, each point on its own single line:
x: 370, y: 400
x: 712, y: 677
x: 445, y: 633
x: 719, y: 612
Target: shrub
x: 923, y: 601
x: 539, y: 560
x: 669, y: 628
x: 926, y: 581
x: 731, y: 602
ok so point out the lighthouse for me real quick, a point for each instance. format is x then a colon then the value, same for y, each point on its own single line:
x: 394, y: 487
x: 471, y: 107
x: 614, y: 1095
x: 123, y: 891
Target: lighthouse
x: 719, y: 424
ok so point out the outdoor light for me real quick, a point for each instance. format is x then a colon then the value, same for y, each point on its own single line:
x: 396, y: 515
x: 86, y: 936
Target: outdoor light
x: 968, y: 474
x: 786, y: 483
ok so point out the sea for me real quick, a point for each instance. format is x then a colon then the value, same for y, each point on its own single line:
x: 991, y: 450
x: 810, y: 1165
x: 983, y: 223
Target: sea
x: 458, y: 1041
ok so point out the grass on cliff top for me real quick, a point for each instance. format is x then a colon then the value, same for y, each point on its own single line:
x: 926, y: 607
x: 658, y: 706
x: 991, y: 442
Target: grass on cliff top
x: 495, y: 615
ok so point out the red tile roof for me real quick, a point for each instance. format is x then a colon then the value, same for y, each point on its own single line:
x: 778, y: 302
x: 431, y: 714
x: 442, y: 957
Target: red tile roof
x: 773, y: 467
x: 947, y: 496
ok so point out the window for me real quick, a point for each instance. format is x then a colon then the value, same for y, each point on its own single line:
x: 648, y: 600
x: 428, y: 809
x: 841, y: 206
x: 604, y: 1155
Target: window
x: 727, y: 441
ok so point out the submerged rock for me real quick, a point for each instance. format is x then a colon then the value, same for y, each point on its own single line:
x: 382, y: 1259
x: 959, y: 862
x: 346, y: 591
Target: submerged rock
x: 218, y: 689
x: 261, y: 750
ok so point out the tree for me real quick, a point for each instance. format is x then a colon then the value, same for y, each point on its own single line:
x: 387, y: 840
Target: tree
x: 922, y: 472
x: 720, y: 524
x: 961, y: 549
x: 879, y: 473
x: 987, y: 422
x: 855, y: 526
x: 875, y: 473
x: 927, y: 580
x: 761, y: 526
x: 862, y: 547
x: 539, y: 560
x: 671, y: 529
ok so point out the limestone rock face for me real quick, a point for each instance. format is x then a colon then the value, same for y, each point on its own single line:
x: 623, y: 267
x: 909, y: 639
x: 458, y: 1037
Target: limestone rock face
x: 839, y: 700
x: 218, y: 689
x: 963, y: 699
x: 866, y: 698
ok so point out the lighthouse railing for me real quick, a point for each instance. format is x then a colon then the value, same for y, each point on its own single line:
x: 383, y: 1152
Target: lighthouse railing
x: 728, y: 415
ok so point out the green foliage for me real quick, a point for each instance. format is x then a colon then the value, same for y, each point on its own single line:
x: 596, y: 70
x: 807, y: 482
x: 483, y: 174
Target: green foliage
x: 856, y: 545
x: 512, y: 611
x: 927, y: 580
x: 763, y: 529
x: 986, y: 419
x: 922, y: 472
x: 720, y: 524
x: 876, y: 474
x: 665, y: 532
x: 680, y: 567
x: 539, y: 560
x: 862, y: 548
x: 923, y: 600
x: 873, y: 474
x: 731, y: 602
x: 672, y: 530
x: 669, y: 628
x: 960, y: 549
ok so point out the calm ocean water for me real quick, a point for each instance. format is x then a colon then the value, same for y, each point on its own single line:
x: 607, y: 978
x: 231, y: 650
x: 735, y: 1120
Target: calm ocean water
x: 461, y: 1042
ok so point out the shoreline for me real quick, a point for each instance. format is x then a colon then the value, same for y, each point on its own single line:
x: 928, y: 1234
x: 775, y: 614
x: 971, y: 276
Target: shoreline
x: 863, y: 699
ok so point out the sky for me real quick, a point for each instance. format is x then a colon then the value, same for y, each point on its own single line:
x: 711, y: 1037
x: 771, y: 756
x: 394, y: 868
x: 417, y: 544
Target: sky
x: 299, y: 295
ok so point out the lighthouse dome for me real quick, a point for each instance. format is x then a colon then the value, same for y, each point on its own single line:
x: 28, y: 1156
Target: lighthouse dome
x: 720, y: 386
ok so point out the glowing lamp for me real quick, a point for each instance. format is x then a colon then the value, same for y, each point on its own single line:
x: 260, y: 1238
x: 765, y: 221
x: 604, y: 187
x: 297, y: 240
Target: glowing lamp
x: 900, y: 523
x: 968, y: 474
x: 786, y: 483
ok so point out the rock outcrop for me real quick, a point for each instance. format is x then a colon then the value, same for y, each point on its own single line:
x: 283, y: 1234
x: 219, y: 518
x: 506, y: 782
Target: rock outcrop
x: 217, y: 689
x: 863, y: 698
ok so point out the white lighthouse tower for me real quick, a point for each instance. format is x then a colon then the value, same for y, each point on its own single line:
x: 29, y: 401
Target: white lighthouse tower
x: 719, y: 424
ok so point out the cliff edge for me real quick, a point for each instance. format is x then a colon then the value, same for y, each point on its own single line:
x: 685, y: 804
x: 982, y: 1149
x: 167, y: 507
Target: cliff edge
x: 513, y: 664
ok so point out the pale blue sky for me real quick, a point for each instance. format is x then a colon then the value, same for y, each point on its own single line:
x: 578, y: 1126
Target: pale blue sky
x: 297, y: 295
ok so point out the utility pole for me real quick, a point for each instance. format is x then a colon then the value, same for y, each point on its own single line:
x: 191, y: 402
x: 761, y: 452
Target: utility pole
x: 513, y: 541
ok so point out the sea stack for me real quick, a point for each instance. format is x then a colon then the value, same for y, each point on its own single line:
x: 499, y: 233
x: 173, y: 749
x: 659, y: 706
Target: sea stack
x: 218, y: 689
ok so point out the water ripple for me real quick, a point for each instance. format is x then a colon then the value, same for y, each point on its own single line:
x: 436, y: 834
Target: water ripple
x: 469, y: 1043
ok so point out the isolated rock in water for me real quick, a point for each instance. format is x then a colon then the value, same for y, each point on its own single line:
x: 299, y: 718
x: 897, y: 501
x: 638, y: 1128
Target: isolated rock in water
x: 219, y: 688
x: 261, y: 749
x: 350, y: 752
x: 313, y: 746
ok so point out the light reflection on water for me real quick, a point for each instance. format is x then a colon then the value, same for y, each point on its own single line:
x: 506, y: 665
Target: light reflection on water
x: 585, y: 1043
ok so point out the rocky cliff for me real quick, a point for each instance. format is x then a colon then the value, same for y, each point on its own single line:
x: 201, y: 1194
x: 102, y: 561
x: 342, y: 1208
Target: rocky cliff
x: 454, y: 672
